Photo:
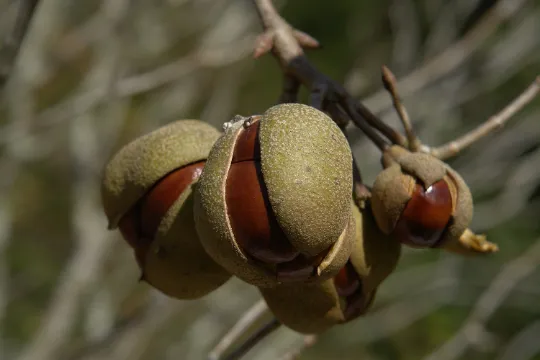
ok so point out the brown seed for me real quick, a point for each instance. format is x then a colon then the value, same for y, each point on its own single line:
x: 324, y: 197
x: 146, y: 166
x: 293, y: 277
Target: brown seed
x: 426, y: 215
x: 252, y: 220
x: 268, y: 202
x: 160, y: 198
x: 247, y: 145
x: 140, y: 224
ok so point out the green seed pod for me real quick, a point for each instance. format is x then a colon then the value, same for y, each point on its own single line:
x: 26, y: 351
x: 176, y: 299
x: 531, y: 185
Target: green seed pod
x: 420, y: 199
x: 140, y: 164
x: 315, y: 307
x: 273, y: 202
x: 375, y: 255
x: 147, y: 194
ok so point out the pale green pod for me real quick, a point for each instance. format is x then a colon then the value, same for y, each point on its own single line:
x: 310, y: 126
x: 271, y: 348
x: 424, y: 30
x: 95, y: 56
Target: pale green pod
x: 375, y: 254
x: 306, y: 308
x: 306, y: 165
x: 307, y: 168
x: 396, y: 184
x: 463, y: 211
x: 154, y: 209
x: 176, y: 263
x: 316, y: 307
x: 137, y: 166
x: 389, y: 195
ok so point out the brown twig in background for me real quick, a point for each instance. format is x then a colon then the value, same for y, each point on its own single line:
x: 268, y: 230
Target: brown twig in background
x: 495, y: 122
x: 394, y: 136
x: 390, y: 84
x: 280, y: 38
x: 247, y: 320
x: 453, y: 147
x: 11, y: 44
x: 289, y: 92
x: 454, y: 56
x: 260, y: 334
x: 286, y: 45
x: 501, y: 287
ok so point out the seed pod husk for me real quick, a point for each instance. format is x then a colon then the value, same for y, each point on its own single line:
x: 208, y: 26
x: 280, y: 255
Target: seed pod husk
x: 136, y: 167
x: 147, y: 194
x: 315, y: 307
x: 273, y: 202
x: 420, y: 199
x: 375, y: 255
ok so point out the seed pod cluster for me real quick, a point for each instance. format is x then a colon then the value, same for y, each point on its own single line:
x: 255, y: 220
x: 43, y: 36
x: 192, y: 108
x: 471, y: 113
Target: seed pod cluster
x: 273, y: 202
x: 315, y: 307
x: 420, y: 199
x: 269, y: 201
x: 147, y: 194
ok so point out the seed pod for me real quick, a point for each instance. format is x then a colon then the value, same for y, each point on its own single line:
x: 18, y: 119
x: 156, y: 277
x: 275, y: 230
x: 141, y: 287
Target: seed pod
x: 146, y: 193
x: 273, y: 202
x: 420, y: 199
x: 315, y: 307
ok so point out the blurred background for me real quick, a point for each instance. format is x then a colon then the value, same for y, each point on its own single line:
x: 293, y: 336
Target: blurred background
x: 93, y: 75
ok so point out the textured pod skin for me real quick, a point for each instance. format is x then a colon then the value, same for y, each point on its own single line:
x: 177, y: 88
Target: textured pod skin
x: 176, y: 263
x: 314, y: 308
x: 306, y: 165
x: 147, y: 193
x: 394, y: 187
x: 306, y: 308
x: 375, y: 255
x: 463, y: 211
x: 139, y: 164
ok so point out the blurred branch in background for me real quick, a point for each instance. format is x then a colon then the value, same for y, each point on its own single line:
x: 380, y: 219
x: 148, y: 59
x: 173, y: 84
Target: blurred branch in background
x: 453, y: 56
x: 91, y: 75
x: 92, y: 239
x: 12, y: 41
x: 473, y: 331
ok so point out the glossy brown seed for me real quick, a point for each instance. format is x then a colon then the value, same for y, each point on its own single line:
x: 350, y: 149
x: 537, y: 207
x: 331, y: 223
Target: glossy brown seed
x: 140, y: 224
x: 347, y: 281
x: 247, y: 146
x: 252, y: 221
x: 161, y: 197
x: 426, y: 215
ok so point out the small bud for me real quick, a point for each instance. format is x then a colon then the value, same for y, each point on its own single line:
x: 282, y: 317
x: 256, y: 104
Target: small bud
x: 273, y: 202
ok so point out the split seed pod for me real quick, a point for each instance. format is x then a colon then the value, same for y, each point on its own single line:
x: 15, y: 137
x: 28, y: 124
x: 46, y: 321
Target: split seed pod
x: 314, y: 308
x: 147, y: 194
x: 420, y: 199
x: 273, y: 201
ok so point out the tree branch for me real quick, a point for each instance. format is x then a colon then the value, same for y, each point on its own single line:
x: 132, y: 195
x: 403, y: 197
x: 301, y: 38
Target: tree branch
x: 13, y: 41
x: 250, y: 317
x: 285, y: 43
x: 495, y: 122
x: 499, y: 289
x: 260, y: 334
x: 390, y: 84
